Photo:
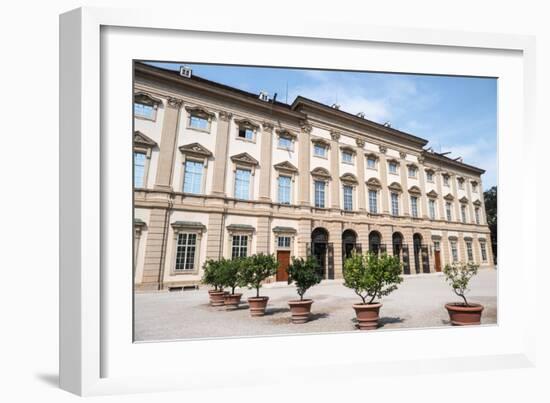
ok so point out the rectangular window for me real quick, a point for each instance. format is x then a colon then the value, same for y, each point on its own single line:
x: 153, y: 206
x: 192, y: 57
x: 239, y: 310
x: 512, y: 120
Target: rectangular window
x: 185, y: 252
x: 319, y: 150
x: 144, y: 111
x: 477, y: 215
x: 319, y: 194
x: 239, y: 247
x: 429, y: 176
x: 463, y: 213
x: 285, y: 142
x: 393, y: 167
x: 414, y: 206
x: 373, y: 201
x: 445, y: 180
x: 371, y: 163
x: 347, y: 157
x: 454, y: 251
x: 474, y: 187
x: 469, y: 252
x: 284, y: 189
x: 395, y: 204
x: 283, y: 242
x: 448, y: 211
x: 461, y: 184
x: 483, y: 251
x: 412, y: 172
x: 198, y: 122
x: 348, y: 197
x: 139, y: 169
x: 246, y: 133
x: 242, y: 184
x: 431, y: 205
x: 192, y: 181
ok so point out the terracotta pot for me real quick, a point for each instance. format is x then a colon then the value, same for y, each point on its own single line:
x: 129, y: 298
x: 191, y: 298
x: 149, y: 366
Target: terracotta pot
x: 232, y: 301
x: 300, y: 310
x: 216, y: 297
x: 257, y: 305
x: 462, y: 315
x: 367, y: 315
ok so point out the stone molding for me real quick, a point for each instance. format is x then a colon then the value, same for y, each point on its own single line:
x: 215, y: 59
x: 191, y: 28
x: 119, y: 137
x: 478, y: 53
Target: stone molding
x: 374, y: 183
x: 349, y: 178
x: 195, y: 149
x: 396, y: 187
x: 286, y: 166
x: 244, y: 158
x: 144, y: 98
x: 321, y: 173
x: 142, y: 140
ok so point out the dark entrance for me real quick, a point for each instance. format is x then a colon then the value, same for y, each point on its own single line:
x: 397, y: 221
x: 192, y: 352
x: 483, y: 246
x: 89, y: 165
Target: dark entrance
x: 322, y: 250
x: 401, y: 251
x: 417, y: 249
x: 283, y: 257
x: 375, y: 242
x: 349, y: 243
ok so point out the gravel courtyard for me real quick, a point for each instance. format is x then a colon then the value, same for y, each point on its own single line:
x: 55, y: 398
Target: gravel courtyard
x: 418, y: 302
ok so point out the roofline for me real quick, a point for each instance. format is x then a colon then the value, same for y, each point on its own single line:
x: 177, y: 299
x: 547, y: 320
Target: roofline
x: 452, y: 162
x: 300, y: 100
x: 203, y: 84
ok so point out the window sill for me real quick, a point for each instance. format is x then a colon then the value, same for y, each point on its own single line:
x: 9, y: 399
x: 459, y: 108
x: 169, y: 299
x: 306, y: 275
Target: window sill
x: 184, y: 272
x: 253, y: 141
x: 199, y: 130
x: 289, y: 149
x: 145, y: 118
x: 320, y: 156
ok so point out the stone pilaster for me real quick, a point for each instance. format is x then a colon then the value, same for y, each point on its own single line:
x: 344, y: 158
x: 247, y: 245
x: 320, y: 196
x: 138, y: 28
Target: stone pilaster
x: 304, y: 149
x: 363, y: 236
x: 445, y: 250
x: 387, y: 237
x: 456, y: 203
x: 334, y: 171
x: 482, y: 211
x: 422, y: 182
x: 155, y: 248
x: 221, y: 150
x: 404, y: 183
x: 463, y: 256
x: 440, y: 200
x: 335, y: 237
x: 168, y: 138
x: 214, y: 236
x: 383, y: 166
x: 266, y: 153
x: 304, y: 237
x: 263, y: 235
x: 361, y: 197
x: 470, y: 201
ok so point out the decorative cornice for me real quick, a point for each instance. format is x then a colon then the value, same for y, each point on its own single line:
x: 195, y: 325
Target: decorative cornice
x: 142, y: 140
x: 430, y: 170
x: 402, y: 155
x: 175, y: 102
x: 349, y: 178
x: 321, y: 173
x: 195, y: 149
x: 396, y: 187
x: 348, y: 148
x: 247, y: 123
x: 139, y: 223
x: 245, y: 158
x: 396, y: 161
x: 360, y: 143
x: 335, y: 135
x: 285, y: 166
x: 383, y: 149
x: 240, y: 227
x: 421, y: 159
x: 415, y: 190
x: 284, y: 230
x: 183, y: 225
x: 319, y: 140
x: 412, y: 165
x: 305, y: 126
x: 372, y: 155
x: 146, y: 99
x: 374, y: 183
x: 225, y: 116
x: 267, y: 126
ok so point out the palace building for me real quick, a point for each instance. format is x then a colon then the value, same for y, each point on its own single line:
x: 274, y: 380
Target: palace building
x: 220, y: 172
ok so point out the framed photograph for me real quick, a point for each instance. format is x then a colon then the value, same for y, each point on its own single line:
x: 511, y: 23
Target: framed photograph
x: 325, y: 199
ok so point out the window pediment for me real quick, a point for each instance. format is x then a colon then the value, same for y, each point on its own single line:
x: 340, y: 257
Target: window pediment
x: 142, y: 140
x: 464, y: 200
x: 320, y: 141
x: 180, y: 226
x: 286, y: 166
x: 286, y: 133
x: 349, y: 178
x: 201, y: 112
x: 321, y: 173
x: 348, y: 149
x: 393, y: 161
x: 396, y: 187
x: 240, y: 228
x: 430, y: 170
x: 195, y: 149
x: 247, y: 124
x: 244, y: 158
x: 477, y: 203
x: 146, y: 99
x: 284, y: 230
x: 449, y: 197
x: 415, y: 190
x: 373, y: 156
x: 374, y: 183
x: 432, y: 193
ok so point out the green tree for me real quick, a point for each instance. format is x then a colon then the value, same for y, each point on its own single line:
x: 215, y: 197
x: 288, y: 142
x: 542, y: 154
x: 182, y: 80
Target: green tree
x: 257, y: 269
x: 304, y: 274
x: 490, y: 197
x: 372, y: 276
x: 231, y: 273
x: 212, y: 274
x: 458, y: 275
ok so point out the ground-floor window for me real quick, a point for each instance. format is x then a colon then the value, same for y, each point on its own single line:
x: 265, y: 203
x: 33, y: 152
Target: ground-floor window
x: 454, y: 251
x: 283, y: 242
x: 469, y: 251
x: 185, y: 251
x: 239, y: 246
x: 483, y: 248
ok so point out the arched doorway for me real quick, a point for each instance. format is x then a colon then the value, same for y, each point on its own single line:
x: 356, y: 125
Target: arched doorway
x: 375, y: 242
x: 401, y: 250
x: 321, y: 250
x: 349, y: 243
x: 417, y: 246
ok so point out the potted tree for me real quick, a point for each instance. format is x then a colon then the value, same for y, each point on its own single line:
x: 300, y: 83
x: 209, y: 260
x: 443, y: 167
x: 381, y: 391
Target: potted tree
x: 458, y: 275
x: 371, y: 276
x: 256, y: 269
x: 304, y: 274
x: 231, y: 276
x: 211, y: 276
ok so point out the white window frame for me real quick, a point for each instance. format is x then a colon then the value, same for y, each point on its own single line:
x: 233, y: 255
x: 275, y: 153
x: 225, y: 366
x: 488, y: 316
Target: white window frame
x: 432, y: 207
x: 291, y: 179
x: 394, y: 208
x: 449, y: 211
x: 453, y: 245
x: 250, y: 182
x: 375, y: 192
x: 203, y: 175
x: 351, y: 188
x: 324, y: 191
x: 469, y: 251
x: 414, y: 206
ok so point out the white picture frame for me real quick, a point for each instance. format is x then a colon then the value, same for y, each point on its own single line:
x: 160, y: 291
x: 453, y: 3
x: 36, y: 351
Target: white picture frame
x: 96, y: 354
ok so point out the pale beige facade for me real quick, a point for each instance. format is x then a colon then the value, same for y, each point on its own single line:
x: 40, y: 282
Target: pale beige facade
x: 221, y: 172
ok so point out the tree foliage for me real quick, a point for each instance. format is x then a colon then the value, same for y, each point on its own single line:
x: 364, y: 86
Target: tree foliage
x: 231, y: 273
x: 490, y: 197
x: 212, y: 274
x: 304, y: 274
x: 372, y: 276
x: 458, y: 275
x: 257, y: 268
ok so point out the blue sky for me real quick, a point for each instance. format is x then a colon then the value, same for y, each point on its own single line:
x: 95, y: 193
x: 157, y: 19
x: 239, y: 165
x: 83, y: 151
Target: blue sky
x: 456, y: 114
